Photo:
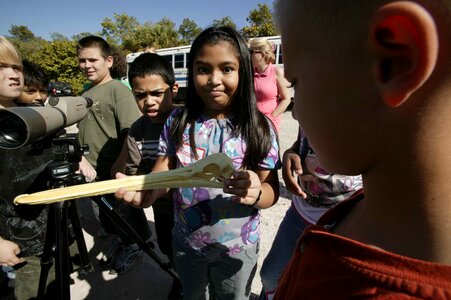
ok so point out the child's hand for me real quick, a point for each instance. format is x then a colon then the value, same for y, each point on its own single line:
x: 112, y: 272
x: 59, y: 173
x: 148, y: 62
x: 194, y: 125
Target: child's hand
x: 8, y: 253
x: 139, y: 199
x: 291, y: 166
x: 245, y: 185
x: 87, y: 170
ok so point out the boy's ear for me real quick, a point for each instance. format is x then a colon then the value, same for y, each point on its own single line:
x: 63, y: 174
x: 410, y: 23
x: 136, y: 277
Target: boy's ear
x: 405, y: 39
x: 175, y: 90
x: 110, y: 61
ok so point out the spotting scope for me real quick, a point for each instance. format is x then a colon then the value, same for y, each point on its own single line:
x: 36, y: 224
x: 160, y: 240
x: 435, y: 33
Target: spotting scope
x: 20, y: 126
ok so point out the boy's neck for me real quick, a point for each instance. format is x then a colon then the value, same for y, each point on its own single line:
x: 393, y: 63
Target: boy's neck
x: 105, y: 79
x: 406, y: 210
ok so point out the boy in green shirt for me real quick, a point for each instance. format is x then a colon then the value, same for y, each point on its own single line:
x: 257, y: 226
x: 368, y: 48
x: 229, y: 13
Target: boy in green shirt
x: 105, y: 126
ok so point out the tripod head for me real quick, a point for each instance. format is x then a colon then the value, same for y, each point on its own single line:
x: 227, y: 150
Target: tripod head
x: 67, y: 153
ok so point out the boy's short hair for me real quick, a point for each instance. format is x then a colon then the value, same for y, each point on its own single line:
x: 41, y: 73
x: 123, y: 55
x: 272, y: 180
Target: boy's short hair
x: 8, y: 53
x: 95, y: 41
x: 151, y: 64
x: 34, y: 76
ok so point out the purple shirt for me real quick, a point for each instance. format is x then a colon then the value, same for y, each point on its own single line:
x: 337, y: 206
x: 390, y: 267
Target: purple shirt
x: 205, y: 216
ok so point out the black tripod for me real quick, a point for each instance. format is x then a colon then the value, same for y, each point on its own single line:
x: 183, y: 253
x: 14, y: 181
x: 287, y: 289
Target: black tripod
x: 62, y: 173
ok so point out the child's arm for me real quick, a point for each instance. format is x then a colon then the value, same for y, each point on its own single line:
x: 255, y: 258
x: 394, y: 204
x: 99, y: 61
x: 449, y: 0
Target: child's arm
x: 145, y: 199
x: 8, y: 253
x: 258, y: 189
x: 119, y: 164
x: 284, y: 94
x: 291, y: 169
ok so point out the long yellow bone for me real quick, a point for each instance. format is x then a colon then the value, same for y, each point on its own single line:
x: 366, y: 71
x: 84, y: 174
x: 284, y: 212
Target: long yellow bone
x: 207, y: 172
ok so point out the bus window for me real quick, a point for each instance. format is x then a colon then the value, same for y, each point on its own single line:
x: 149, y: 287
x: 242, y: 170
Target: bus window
x: 280, y: 60
x: 178, y: 61
x: 168, y: 58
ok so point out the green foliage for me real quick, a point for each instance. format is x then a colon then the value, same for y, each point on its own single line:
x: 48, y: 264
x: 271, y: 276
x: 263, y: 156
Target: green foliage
x: 226, y: 21
x: 115, y: 32
x: 56, y: 36
x: 79, y: 36
x: 59, y: 61
x: 159, y: 35
x: 21, y: 33
x: 27, y: 49
x: 260, y: 23
x: 143, y: 37
x: 188, y: 31
x: 167, y: 35
x: 25, y: 41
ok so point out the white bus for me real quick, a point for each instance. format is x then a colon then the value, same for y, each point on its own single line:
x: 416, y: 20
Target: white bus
x: 178, y: 58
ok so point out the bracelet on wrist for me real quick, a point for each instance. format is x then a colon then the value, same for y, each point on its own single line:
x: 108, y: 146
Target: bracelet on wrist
x: 258, y: 198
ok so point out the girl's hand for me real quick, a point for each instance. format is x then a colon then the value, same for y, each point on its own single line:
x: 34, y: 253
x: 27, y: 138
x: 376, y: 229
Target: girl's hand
x: 245, y: 185
x: 8, y: 253
x: 139, y: 199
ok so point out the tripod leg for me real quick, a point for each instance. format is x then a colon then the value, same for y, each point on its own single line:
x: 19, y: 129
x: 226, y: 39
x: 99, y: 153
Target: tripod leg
x: 46, y: 258
x: 56, y: 235
x: 86, y: 265
x: 62, y: 266
x: 125, y: 227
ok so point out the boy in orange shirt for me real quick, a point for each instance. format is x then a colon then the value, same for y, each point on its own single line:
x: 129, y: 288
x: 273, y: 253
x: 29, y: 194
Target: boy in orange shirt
x: 373, y: 88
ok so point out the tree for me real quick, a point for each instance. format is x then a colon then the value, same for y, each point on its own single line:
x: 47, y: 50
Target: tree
x: 260, y: 23
x: 56, y: 36
x: 188, y: 31
x: 159, y: 35
x: 59, y: 61
x: 226, y: 21
x: 115, y: 32
x: 166, y: 34
x: 143, y: 36
x: 77, y: 37
x: 22, y: 33
x: 25, y: 40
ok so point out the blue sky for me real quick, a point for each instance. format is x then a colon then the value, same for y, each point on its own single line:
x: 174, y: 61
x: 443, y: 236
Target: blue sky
x: 70, y: 17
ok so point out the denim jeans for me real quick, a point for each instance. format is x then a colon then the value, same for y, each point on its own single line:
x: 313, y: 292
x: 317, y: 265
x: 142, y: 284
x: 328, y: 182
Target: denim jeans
x: 226, y: 276
x: 282, y: 248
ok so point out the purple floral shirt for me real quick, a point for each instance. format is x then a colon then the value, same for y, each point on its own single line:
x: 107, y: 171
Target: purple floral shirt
x: 205, y: 216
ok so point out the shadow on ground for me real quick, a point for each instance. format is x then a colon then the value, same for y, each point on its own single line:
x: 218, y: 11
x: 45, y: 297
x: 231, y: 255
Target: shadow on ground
x: 146, y: 280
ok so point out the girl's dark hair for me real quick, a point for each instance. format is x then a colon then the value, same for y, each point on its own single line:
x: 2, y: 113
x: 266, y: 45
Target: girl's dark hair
x: 151, y: 64
x: 248, y: 121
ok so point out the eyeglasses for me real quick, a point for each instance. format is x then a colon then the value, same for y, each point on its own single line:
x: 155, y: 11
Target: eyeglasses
x: 252, y: 51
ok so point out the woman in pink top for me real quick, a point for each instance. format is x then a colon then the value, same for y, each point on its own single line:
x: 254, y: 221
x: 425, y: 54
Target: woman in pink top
x: 271, y: 88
